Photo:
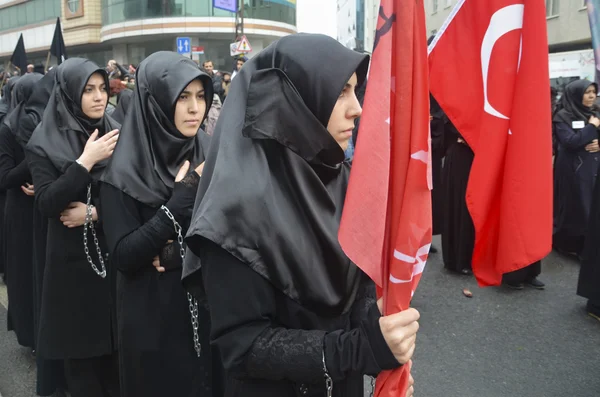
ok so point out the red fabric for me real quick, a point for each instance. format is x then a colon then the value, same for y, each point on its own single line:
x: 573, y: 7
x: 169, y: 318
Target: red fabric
x: 386, y: 224
x: 509, y: 194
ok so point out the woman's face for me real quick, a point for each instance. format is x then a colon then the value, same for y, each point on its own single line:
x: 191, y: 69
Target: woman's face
x: 95, y: 97
x: 590, y: 96
x: 347, y: 109
x: 190, y: 109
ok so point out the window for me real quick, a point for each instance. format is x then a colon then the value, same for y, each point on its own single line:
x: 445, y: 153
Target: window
x: 552, y: 8
x: 448, y: 3
x: 435, y: 6
x: 73, y: 6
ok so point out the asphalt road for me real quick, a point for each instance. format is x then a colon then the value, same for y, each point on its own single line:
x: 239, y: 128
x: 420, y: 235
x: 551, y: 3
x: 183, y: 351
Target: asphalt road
x: 500, y: 343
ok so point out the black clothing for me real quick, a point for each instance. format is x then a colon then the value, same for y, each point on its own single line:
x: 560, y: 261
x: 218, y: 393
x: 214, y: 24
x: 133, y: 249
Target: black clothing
x: 156, y: 342
x: 93, y: 377
x: 589, y: 275
x: 77, y: 317
x: 66, y: 128
x: 523, y: 275
x: 571, y: 106
x: 283, y: 296
x: 18, y: 235
x: 272, y: 346
x: 156, y: 350
x: 151, y: 150
x: 575, y: 171
x: 123, y: 101
x: 458, y: 233
x: 438, y: 151
x: 34, y: 107
x: 77, y: 314
x: 282, y: 150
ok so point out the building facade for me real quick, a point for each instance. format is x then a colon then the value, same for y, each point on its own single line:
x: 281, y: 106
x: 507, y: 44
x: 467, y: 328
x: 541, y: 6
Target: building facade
x: 130, y: 30
x: 356, y: 22
x: 567, y: 20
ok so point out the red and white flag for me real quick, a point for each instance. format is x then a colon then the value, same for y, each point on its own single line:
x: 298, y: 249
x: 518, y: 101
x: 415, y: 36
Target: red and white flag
x: 486, y: 63
x: 386, y: 224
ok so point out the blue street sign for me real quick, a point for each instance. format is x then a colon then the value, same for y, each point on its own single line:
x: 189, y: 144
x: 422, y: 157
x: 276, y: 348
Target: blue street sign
x: 184, y: 45
x: 227, y: 5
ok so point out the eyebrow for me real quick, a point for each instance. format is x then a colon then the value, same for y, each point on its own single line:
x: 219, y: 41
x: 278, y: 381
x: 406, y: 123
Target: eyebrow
x: 189, y: 92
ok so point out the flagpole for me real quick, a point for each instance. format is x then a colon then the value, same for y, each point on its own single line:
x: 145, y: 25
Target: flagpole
x: 47, y: 62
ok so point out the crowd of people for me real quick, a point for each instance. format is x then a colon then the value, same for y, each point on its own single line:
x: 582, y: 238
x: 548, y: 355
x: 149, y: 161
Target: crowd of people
x: 146, y: 256
x: 575, y: 132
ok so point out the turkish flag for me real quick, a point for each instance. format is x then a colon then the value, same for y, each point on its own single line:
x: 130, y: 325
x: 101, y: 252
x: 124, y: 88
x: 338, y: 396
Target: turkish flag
x: 386, y: 223
x: 489, y: 73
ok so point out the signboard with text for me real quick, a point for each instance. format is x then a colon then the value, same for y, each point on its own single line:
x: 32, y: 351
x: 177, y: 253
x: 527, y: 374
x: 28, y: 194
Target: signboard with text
x: 227, y: 5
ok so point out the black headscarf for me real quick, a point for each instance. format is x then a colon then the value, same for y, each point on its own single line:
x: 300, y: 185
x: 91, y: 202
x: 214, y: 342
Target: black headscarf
x: 34, y: 107
x: 5, y: 102
x: 151, y: 150
x: 571, y: 107
x: 21, y: 93
x: 274, y: 182
x: 123, y: 100
x: 65, y: 129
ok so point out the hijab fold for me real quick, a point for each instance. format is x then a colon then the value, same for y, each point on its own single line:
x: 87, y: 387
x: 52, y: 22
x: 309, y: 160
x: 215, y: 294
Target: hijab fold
x: 22, y: 91
x: 33, y: 109
x: 65, y: 129
x: 571, y: 107
x: 274, y: 181
x: 151, y: 150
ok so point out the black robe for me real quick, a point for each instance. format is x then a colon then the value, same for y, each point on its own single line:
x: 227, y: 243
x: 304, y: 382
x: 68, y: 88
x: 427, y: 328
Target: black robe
x: 77, y: 305
x: 575, y: 171
x: 156, y: 349
x: 458, y: 235
x: 18, y: 236
x: 438, y: 151
x: 589, y: 275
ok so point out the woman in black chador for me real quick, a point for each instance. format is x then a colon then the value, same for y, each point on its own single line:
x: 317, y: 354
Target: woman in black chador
x: 67, y: 154
x: 5, y: 105
x: 50, y: 373
x: 458, y: 233
x: 576, y: 164
x: 142, y: 196
x: 290, y: 313
x: 18, y: 217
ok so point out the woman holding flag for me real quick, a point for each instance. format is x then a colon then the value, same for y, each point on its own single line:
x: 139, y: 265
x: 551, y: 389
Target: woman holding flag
x: 290, y: 313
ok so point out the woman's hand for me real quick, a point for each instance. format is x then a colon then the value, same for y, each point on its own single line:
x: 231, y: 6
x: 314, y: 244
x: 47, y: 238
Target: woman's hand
x: 593, y: 147
x: 28, y: 189
x: 156, y: 264
x: 74, y: 215
x: 400, y: 332
x: 98, y: 149
x: 595, y: 120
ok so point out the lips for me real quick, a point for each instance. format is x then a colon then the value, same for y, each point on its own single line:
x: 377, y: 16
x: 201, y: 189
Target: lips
x: 192, y: 121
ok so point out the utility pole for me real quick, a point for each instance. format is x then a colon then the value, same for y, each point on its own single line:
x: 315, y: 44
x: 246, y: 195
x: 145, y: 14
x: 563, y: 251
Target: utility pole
x: 239, y: 21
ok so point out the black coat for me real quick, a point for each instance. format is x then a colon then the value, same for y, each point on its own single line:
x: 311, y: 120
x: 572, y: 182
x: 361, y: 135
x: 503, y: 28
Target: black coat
x: 77, y: 313
x: 156, y: 349
x: 575, y: 172
x: 272, y: 346
x: 18, y: 236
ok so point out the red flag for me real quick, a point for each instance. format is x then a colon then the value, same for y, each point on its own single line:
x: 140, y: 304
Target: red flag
x: 386, y: 224
x: 485, y: 63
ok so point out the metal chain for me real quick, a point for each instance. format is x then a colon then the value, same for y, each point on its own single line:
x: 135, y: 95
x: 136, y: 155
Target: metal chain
x: 193, y: 303
x: 372, y: 386
x: 90, y: 223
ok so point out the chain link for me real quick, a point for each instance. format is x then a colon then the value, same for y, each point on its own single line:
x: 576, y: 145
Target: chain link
x: 193, y: 303
x: 90, y: 223
x: 372, y: 386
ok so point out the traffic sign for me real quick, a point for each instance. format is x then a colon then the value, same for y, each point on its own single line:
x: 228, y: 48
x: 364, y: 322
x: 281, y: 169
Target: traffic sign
x: 244, y: 45
x: 184, y: 45
x: 233, y: 51
x: 197, y: 49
